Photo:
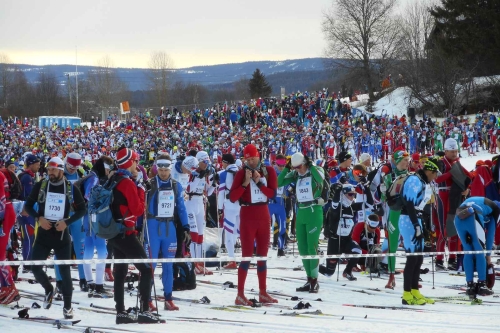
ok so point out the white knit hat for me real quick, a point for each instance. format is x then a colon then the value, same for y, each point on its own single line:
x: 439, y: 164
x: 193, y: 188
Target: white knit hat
x: 450, y: 144
x: 56, y: 162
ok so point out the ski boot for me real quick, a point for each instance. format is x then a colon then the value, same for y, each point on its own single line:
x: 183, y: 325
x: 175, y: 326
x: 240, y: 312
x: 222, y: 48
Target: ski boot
x: 349, y: 276
x: 108, y: 275
x: 147, y: 317
x: 230, y: 265
x: 242, y: 300
x: 409, y: 299
x: 47, y: 301
x: 170, y: 306
x: 392, y: 282
x: 84, y: 286
x: 314, y: 286
x: 125, y: 318
x: 416, y: 293
x: 91, y: 290
x: 264, y: 297
x: 281, y: 253
x: 305, y: 287
x: 472, y: 293
x: 152, y: 307
x: 482, y: 290
x: 68, y: 313
x: 440, y: 266
x: 452, y: 265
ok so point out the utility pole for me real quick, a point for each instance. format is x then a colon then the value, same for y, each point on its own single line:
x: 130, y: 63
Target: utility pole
x: 69, y: 92
x: 76, y: 79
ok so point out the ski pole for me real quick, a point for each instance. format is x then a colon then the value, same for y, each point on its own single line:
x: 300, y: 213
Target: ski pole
x: 338, y: 260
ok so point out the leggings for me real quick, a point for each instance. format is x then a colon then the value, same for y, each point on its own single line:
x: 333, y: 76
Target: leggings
x: 411, y: 273
x: 93, y: 242
x: 255, y: 229
x: 308, y: 230
x: 129, y: 247
x: 162, y: 236
x: 472, y: 240
x: 393, y: 239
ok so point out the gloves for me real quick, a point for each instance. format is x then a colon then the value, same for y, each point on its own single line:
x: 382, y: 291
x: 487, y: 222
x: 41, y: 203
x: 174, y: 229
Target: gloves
x: 418, y: 234
x: 187, y: 238
x: 140, y: 185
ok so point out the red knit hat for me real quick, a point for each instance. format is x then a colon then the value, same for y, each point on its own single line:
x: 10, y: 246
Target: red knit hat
x: 124, y: 158
x: 415, y: 157
x: 74, y: 160
x: 250, y: 151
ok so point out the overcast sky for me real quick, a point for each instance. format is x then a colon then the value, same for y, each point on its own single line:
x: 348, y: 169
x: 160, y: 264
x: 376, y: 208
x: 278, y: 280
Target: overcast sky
x: 192, y: 32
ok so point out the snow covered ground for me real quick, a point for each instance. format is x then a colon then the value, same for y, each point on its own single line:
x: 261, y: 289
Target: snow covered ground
x: 336, y: 297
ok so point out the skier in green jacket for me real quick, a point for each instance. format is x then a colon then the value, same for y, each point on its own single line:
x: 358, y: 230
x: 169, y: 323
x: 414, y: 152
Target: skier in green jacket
x: 308, y: 180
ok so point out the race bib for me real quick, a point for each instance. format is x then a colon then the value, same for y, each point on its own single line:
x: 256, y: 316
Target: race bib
x: 304, y: 190
x: 199, y: 186
x: 279, y: 192
x: 54, y: 206
x: 166, y: 203
x: 361, y: 216
x: 427, y: 197
x: 345, y: 227
x: 256, y: 194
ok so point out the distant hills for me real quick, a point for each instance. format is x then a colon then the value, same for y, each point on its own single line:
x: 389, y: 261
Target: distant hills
x: 293, y: 74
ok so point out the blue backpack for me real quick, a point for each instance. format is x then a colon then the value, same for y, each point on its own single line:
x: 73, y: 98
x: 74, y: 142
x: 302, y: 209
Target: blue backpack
x: 99, y: 210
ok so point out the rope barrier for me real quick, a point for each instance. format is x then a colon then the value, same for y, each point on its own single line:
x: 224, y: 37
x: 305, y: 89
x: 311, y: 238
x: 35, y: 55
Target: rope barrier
x: 173, y: 260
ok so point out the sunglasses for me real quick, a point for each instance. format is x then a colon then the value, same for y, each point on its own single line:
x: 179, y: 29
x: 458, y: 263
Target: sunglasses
x: 54, y: 165
x: 280, y: 165
x: 351, y: 194
x: 297, y: 167
x: 163, y: 166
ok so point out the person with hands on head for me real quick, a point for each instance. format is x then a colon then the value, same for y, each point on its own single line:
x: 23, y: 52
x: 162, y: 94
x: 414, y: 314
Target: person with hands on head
x: 253, y: 186
x: 415, y: 195
x: 55, y: 197
x: 309, y: 182
x: 475, y: 221
x: 166, y: 213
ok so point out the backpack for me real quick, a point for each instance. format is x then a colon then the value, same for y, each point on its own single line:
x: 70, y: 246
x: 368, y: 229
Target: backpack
x: 79, y: 183
x: 393, y: 193
x: 15, y: 188
x: 325, y: 192
x: 99, y: 210
x: 184, y: 276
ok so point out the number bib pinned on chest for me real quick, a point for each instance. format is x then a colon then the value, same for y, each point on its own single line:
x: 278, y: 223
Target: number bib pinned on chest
x: 166, y: 201
x: 256, y: 194
x: 304, y: 190
x: 54, y: 206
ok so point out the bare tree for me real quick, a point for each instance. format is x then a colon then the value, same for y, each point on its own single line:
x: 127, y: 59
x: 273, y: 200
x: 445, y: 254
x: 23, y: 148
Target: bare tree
x: 359, y: 31
x: 160, y: 75
x: 6, y: 77
x: 108, y: 90
x: 47, y: 93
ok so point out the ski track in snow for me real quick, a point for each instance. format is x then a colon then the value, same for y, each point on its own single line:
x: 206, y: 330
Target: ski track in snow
x: 446, y: 317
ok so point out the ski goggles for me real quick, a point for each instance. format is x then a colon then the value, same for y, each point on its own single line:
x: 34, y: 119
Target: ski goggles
x: 55, y: 165
x: 358, y: 173
x: 163, y: 164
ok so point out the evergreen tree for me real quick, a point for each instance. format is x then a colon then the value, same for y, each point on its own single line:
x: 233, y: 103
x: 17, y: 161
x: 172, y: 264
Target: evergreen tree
x: 469, y: 30
x: 258, y: 85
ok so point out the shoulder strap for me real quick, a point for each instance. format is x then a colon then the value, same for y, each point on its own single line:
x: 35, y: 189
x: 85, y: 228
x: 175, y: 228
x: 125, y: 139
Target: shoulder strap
x: 42, y: 194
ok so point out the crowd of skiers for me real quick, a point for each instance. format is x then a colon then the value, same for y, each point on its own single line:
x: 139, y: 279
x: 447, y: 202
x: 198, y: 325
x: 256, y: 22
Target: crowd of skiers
x: 308, y: 163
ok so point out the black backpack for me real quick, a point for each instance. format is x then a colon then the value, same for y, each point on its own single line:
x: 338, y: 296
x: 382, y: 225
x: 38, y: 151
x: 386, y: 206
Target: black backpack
x: 184, y: 276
